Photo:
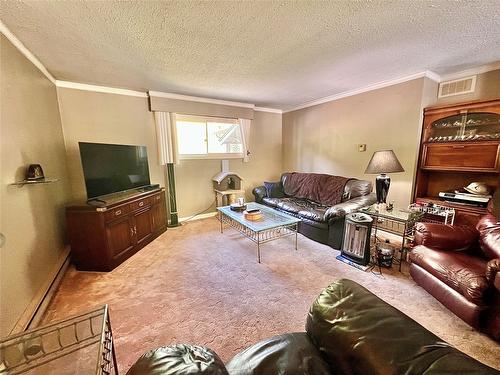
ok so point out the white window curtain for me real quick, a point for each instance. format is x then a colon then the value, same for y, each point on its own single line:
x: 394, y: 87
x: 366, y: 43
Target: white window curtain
x: 245, y: 126
x: 166, y: 136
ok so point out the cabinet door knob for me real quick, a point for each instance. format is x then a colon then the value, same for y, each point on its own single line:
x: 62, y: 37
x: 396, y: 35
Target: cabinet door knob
x: 132, y: 231
x: 118, y: 212
x: 141, y: 204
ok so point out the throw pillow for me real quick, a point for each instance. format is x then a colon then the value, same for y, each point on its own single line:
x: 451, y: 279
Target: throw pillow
x: 274, y: 189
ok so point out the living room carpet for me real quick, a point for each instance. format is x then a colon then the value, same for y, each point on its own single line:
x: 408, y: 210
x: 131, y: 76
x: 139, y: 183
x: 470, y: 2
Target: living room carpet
x: 196, y: 285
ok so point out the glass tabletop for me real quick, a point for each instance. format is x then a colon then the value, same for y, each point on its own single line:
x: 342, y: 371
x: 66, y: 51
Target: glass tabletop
x: 394, y: 214
x: 271, y: 218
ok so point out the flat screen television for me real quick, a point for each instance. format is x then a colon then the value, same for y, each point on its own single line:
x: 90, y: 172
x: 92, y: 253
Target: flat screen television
x: 110, y: 168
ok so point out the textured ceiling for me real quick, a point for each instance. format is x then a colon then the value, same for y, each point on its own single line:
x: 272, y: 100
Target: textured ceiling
x: 271, y: 53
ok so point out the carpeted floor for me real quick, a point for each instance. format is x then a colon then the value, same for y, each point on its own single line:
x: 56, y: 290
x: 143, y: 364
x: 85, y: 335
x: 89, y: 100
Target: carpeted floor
x: 196, y: 285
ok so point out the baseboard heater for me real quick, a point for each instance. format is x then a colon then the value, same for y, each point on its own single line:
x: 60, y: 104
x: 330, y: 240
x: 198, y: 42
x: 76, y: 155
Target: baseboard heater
x: 34, y: 312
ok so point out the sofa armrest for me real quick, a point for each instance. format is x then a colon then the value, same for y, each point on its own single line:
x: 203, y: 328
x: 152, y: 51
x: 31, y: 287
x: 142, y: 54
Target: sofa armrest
x: 352, y: 205
x: 445, y: 237
x: 259, y: 192
x: 358, y: 333
x: 493, y: 271
x: 179, y: 359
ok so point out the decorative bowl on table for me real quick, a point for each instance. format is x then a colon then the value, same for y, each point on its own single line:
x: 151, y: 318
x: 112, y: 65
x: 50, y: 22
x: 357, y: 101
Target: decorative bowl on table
x: 253, y: 216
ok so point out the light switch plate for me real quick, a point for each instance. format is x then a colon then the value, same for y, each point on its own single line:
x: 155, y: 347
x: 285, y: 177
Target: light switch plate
x: 362, y: 147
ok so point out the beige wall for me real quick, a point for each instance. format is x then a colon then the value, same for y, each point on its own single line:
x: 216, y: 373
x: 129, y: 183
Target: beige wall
x: 487, y: 87
x: 194, y: 177
x: 265, y: 145
x: 32, y: 217
x: 110, y: 118
x: 105, y: 118
x: 324, y: 138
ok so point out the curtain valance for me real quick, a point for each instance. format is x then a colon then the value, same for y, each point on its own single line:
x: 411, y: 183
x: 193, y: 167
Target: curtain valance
x: 187, y: 107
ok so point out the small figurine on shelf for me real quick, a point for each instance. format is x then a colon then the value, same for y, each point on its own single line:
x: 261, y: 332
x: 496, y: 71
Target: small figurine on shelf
x: 34, y: 172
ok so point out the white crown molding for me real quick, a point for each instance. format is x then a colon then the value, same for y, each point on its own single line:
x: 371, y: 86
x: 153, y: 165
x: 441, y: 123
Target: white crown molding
x: 199, y: 99
x: 376, y: 86
x: 470, y: 72
x: 271, y: 110
x: 432, y: 75
x: 198, y: 217
x: 112, y: 90
x: 25, y: 51
x: 103, y: 89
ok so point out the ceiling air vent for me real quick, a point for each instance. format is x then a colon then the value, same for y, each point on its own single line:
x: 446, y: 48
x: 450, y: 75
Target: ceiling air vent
x: 457, y: 86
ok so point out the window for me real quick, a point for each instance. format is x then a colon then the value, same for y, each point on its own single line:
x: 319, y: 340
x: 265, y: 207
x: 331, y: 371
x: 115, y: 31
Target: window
x: 208, y: 137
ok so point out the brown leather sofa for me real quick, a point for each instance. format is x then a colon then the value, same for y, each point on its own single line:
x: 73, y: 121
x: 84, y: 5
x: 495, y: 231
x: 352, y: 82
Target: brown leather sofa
x: 460, y: 267
x: 321, y: 201
x: 349, y: 331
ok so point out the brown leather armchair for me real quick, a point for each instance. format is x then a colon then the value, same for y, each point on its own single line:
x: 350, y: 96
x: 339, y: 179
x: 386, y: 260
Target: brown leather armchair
x: 460, y: 267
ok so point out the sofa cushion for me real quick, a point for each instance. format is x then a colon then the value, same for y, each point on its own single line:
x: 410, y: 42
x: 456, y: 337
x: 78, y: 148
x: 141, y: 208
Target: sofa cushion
x: 273, y: 202
x: 322, y: 188
x: 179, y: 359
x: 356, y: 188
x: 358, y: 333
x: 292, y: 353
x: 274, y: 189
x: 464, y: 273
x: 303, y: 208
x: 489, y: 236
x: 289, y: 205
x: 315, y: 214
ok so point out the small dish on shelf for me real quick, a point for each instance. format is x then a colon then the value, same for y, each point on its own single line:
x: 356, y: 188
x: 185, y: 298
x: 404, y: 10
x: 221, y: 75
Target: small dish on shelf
x: 238, y: 207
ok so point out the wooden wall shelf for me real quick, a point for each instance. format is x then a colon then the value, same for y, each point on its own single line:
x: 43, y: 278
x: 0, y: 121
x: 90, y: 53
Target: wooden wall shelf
x: 34, y: 182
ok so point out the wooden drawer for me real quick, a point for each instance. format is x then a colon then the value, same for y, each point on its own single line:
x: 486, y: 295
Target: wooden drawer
x: 138, y: 204
x: 157, y: 198
x: 480, y: 156
x: 116, y: 212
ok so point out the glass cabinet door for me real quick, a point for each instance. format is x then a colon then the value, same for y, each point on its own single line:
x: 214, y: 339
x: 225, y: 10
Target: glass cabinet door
x: 481, y: 126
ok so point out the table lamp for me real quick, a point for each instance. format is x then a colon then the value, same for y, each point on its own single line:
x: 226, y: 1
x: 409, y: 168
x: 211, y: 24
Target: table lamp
x: 383, y: 162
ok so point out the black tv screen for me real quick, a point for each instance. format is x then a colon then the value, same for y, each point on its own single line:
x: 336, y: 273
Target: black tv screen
x: 111, y: 168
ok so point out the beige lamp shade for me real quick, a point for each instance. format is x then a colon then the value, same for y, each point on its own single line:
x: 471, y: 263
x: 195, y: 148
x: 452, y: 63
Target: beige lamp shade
x: 384, y: 161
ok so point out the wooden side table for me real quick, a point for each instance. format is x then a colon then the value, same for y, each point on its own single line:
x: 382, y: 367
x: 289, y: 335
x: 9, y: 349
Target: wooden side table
x: 226, y: 197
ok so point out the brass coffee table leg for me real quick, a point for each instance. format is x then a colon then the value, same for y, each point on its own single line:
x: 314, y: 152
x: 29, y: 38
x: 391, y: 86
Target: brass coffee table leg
x: 296, y: 235
x: 258, y: 247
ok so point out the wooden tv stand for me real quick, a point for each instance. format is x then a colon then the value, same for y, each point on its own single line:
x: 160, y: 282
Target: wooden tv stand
x: 102, y: 237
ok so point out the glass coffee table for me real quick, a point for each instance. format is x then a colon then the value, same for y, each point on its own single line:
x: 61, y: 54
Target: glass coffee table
x: 273, y: 224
